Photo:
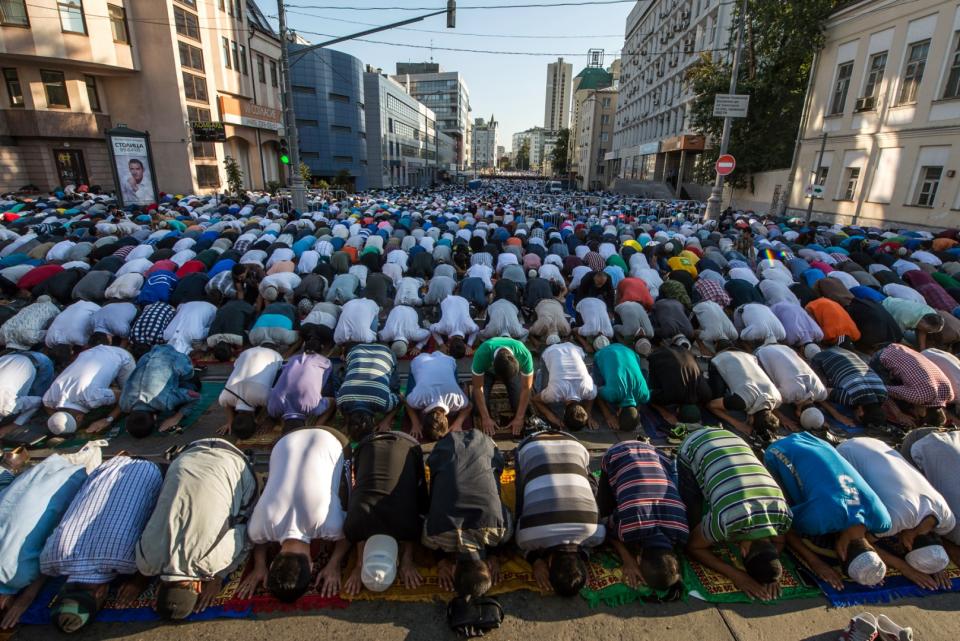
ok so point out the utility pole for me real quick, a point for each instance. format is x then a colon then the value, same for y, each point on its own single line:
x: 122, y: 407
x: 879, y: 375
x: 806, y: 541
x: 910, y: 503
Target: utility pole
x: 816, y: 176
x: 716, y: 195
x: 297, y: 188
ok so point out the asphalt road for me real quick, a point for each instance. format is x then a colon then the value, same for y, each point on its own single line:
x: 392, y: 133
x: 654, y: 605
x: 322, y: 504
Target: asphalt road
x: 531, y: 617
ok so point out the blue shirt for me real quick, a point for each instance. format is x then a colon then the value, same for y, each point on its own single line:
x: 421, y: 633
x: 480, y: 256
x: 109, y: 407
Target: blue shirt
x: 827, y: 495
x: 161, y: 382
x: 30, y: 508
x: 867, y: 293
x: 158, y: 287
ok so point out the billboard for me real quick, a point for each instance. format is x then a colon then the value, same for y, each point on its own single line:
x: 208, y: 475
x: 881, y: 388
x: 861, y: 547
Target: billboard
x: 133, y: 169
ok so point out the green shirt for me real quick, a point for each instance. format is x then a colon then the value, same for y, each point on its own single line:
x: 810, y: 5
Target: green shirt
x: 907, y: 313
x: 946, y: 281
x: 483, y: 357
x: 623, y: 383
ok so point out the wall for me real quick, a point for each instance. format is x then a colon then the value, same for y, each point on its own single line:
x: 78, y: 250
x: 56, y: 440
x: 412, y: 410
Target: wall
x: 760, y: 199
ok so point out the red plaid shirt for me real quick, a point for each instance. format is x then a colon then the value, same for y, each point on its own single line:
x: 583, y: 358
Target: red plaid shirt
x: 917, y: 380
x: 709, y: 289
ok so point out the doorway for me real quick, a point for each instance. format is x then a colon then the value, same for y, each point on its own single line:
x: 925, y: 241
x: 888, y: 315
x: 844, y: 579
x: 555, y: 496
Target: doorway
x: 71, y: 169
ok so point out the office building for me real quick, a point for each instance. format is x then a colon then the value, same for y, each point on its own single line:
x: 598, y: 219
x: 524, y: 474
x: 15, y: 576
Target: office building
x: 594, y: 138
x: 446, y: 93
x: 73, y: 69
x: 329, y: 101
x: 402, y: 147
x: 590, y: 116
x: 653, y: 138
x: 539, y: 140
x: 556, y: 109
x: 486, y: 136
x: 886, y: 92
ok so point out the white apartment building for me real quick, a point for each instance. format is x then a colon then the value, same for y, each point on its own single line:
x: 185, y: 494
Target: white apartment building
x: 556, y: 109
x: 539, y: 138
x: 653, y: 140
x: 886, y: 92
x: 486, y: 139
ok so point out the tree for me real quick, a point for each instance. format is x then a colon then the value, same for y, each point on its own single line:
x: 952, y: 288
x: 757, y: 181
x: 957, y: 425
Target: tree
x: 779, y: 42
x: 523, y: 156
x: 504, y: 163
x: 560, y: 150
x: 305, y: 173
x: 234, y: 175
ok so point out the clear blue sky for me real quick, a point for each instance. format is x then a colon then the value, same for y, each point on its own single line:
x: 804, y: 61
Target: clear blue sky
x: 509, y: 86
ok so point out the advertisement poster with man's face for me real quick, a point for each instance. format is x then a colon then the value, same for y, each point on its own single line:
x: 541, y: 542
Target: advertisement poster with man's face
x: 133, y: 170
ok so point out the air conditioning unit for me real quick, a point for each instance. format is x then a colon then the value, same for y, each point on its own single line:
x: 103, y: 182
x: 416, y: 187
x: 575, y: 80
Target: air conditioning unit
x: 868, y: 103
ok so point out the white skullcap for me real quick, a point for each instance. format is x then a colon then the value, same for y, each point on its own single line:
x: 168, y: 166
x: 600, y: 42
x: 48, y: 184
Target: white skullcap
x: 399, y: 348
x: 553, y: 339
x: 811, y: 418
x: 62, y: 423
x: 270, y: 293
x: 929, y: 559
x: 810, y: 350
x: 643, y: 347
x: 600, y: 342
x: 867, y: 569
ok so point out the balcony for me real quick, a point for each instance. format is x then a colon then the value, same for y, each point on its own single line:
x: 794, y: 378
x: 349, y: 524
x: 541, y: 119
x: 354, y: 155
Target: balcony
x: 52, y: 124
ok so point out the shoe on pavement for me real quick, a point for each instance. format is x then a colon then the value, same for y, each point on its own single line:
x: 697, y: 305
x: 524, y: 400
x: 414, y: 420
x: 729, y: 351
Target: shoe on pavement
x: 862, y: 627
x: 890, y: 631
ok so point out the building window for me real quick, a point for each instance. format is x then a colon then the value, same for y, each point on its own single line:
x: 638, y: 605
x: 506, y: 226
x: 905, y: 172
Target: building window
x: 913, y: 74
x: 222, y: 8
x: 840, y: 88
x: 204, y: 150
x: 928, y: 186
x: 194, y: 87
x: 197, y: 114
x: 187, y: 24
x: 71, y: 16
x: 118, y: 24
x: 871, y: 90
x: 307, y: 123
x: 339, y: 97
x: 822, y: 173
x: 341, y: 128
x: 226, y: 53
x: 208, y: 176
x: 343, y: 159
x: 55, y: 86
x: 236, y: 55
x: 239, y: 9
x: 13, y: 13
x: 304, y: 89
x: 853, y: 180
x: 243, y: 60
x: 274, y: 77
x: 92, y: 95
x: 14, y: 88
x: 261, y: 69
x: 190, y: 57
x: 953, y: 80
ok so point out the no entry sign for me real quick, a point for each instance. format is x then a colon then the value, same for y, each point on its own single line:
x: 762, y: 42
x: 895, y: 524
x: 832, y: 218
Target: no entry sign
x: 726, y: 164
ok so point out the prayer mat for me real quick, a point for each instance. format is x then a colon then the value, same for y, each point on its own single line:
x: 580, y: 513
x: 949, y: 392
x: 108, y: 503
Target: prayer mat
x: 606, y: 587
x: 895, y: 585
x: 705, y: 584
x: 225, y: 606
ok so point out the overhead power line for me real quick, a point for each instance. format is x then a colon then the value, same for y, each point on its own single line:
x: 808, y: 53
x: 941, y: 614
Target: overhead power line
x: 543, y: 5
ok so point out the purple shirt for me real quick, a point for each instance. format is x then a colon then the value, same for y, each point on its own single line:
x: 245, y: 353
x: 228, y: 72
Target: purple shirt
x: 298, y: 392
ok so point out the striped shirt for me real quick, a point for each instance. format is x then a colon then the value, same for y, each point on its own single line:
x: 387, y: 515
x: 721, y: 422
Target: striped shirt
x: 742, y: 501
x: 649, y: 509
x: 370, y: 380
x: 852, y: 382
x: 555, y: 500
x: 95, y: 541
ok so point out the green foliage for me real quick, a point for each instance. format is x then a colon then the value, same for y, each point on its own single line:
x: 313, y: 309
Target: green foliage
x: 234, y: 175
x: 322, y: 184
x: 779, y: 43
x: 560, y: 151
x: 305, y: 174
x: 504, y: 163
x: 273, y: 187
x: 523, y: 156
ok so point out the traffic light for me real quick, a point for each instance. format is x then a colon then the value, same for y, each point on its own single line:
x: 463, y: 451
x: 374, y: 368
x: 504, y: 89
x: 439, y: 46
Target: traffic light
x: 451, y: 14
x: 284, y: 151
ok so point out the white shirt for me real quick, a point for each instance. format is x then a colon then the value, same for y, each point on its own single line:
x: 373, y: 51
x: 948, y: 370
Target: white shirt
x: 455, y: 319
x: 435, y: 383
x: 796, y: 380
x: 356, y: 321
x: 135, y: 266
x: 482, y: 272
x: 279, y: 254
x: 85, y: 383
x: 394, y: 272
x: 308, y: 261
x: 577, y: 275
x: 403, y: 323
x: 596, y: 320
x: 776, y: 292
x: 251, y: 379
x: 897, y: 290
x: 408, y: 292
x: 181, y: 257
x: 503, y: 319
x: 919, y: 255
x: 60, y: 251
x: 17, y: 374
x: 190, y: 323
x: 73, y: 325
x: 569, y: 378
x: 115, y: 319
x: 848, y: 281
x: 323, y: 314
x: 904, y: 491
x: 743, y: 273
x: 758, y: 324
x: 714, y: 323
x: 301, y: 500
x: 285, y: 282
x: 124, y: 287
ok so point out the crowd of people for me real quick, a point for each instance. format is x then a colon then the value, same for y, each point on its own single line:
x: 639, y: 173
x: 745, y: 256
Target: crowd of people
x: 755, y: 346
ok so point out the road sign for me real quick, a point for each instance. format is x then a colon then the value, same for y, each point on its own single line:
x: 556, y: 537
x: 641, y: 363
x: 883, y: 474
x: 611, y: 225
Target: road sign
x: 814, y: 191
x: 727, y: 105
x: 726, y: 164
